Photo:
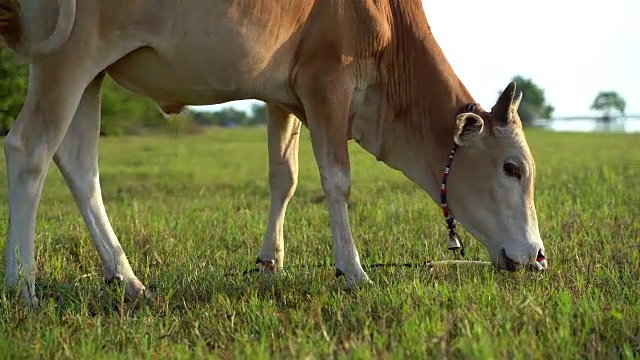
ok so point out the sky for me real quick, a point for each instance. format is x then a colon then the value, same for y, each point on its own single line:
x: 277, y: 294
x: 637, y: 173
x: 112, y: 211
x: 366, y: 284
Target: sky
x: 572, y: 49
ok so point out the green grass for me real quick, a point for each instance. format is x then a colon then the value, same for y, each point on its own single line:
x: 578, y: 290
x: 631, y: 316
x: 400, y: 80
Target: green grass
x: 190, y: 212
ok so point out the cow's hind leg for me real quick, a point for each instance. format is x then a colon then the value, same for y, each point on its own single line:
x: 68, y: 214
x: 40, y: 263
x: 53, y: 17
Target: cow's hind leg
x: 77, y: 159
x: 52, y: 99
x: 283, y: 138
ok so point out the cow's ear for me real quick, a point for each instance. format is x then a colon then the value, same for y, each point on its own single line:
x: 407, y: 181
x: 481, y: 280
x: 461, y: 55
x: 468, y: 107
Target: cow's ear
x: 507, y: 105
x: 469, y: 127
x: 516, y: 101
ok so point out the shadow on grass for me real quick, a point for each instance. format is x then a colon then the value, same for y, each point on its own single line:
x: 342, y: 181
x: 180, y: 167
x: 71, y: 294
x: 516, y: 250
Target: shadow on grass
x: 176, y: 293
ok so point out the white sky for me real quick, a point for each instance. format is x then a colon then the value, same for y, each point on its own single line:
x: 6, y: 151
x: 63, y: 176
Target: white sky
x: 572, y: 49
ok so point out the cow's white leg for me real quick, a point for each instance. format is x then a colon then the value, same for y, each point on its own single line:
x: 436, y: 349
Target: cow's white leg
x: 283, y: 138
x: 336, y: 182
x: 326, y: 103
x: 77, y: 159
x: 51, y: 101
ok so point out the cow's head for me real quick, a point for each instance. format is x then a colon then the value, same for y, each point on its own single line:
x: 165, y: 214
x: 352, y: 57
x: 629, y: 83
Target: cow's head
x: 491, y: 187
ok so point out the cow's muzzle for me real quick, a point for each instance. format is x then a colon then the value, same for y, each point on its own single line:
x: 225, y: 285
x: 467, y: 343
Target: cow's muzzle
x: 540, y: 264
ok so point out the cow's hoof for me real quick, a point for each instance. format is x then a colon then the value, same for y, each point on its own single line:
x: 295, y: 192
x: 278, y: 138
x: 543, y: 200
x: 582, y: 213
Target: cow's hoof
x: 356, y: 280
x: 270, y: 265
x: 134, y: 289
x: 354, y: 284
x: 22, y: 293
x: 31, y: 300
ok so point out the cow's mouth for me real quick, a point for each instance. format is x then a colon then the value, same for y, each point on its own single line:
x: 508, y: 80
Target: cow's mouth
x: 540, y: 263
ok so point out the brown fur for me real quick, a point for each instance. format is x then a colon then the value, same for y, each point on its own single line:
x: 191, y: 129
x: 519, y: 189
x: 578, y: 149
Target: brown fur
x: 422, y: 89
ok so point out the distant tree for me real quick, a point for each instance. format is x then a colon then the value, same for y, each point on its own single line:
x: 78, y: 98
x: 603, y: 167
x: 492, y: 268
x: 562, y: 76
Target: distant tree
x: 231, y: 116
x: 13, y: 88
x: 205, y: 118
x: 122, y: 111
x: 609, y: 102
x: 258, y: 114
x: 534, y: 105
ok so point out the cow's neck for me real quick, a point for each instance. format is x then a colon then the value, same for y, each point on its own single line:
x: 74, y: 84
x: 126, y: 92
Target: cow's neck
x: 416, y: 101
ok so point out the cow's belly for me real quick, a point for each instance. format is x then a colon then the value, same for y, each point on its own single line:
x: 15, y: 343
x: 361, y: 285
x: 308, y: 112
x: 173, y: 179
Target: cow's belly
x: 197, y: 79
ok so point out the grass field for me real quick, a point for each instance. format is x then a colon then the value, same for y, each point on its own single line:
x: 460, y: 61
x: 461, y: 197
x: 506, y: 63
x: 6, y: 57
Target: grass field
x: 190, y: 211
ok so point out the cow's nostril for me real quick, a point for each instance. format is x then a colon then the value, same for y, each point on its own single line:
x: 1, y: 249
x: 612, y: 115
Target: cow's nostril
x: 510, y: 264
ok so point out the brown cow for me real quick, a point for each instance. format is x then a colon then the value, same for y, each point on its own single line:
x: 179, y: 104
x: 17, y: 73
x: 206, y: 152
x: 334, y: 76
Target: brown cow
x: 368, y: 70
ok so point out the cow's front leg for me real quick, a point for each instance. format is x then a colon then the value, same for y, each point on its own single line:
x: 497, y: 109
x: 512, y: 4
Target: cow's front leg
x: 326, y: 102
x: 283, y: 137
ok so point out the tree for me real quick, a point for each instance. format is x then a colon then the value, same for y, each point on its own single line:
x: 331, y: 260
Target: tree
x: 205, y: 118
x: 13, y: 88
x: 534, y: 105
x: 259, y: 114
x: 230, y: 116
x: 122, y: 111
x: 608, y: 102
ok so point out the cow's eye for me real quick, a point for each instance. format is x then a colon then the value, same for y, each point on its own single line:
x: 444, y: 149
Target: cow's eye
x: 512, y: 169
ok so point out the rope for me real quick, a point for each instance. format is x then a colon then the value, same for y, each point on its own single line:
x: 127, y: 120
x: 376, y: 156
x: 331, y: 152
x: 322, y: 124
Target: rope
x: 426, y: 264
